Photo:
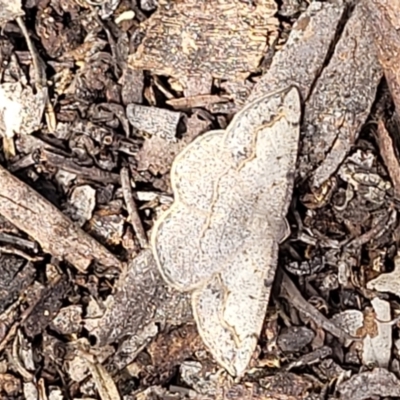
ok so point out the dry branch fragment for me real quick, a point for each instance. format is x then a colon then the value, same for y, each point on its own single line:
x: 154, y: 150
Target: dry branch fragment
x: 341, y: 99
x: 104, y: 382
x: 386, y: 147
x: 305, y: 51
x: 155, y: 121
x: 384, y: 18
x: 298, y: 301
x: 224, y: 38
x: 141, y: 297
x: 132, y: 209
x: 40, y: 219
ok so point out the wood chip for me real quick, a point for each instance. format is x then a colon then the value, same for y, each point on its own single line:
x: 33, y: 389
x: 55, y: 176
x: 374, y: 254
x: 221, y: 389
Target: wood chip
x: 157, y: 154
x: 388, y: 282
x: 155, y: 121
x: 223, y: 38
x: 377, y: 349
x: 40, y: 219
x: 20, y: 112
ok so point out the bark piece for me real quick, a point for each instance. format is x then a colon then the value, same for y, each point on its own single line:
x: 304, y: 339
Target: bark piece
x: 223, y: 38
x: 141, y: 297
x: 157, y: 154
x: 295, y: 338
x: 57, y: 235
x: 155, y: 121
x: 384, y: 17
x: 173, y: 348
x: 14, y: 278
x: 303, y: 56
x: 378, y: 382
x: 46, y: 308
x: 341, y: 100
x: 232, y: 191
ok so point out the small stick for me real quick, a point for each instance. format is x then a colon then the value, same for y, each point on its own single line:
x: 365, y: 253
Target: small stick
x: 46, y: 224
x: 388, y: 154
x: 132, y: 209
x: 298, y: 301
x: 17, y: 241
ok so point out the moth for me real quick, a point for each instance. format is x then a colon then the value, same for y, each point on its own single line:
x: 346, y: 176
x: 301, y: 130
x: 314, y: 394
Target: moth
x: 219, y: 239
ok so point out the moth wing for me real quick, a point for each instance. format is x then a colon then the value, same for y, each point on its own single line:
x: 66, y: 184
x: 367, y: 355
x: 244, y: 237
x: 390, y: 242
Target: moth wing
x: 230, y: 309
x: 195, y: 169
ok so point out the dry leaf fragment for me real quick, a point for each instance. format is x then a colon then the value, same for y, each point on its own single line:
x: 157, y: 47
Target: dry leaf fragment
x: 349, y: 320
x: 220, y: 237
x: 222, y: 38
x: 10, y: 10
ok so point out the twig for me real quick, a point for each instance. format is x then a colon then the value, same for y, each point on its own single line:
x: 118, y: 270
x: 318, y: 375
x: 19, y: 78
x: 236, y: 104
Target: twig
x: 132, y: 209
x: 298, y: 301
x: 40, y: 75
x: 17, y: 241
x: 41, y: 220
x: 388, y: 154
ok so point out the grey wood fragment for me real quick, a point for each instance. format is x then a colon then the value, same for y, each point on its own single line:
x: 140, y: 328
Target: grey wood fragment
x: 341, y: 100
x: 303, y: 56
x: 141, y: 297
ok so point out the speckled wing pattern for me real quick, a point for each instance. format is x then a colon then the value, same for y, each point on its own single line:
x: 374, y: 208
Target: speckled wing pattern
x: 219, y: 239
